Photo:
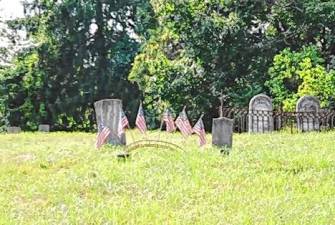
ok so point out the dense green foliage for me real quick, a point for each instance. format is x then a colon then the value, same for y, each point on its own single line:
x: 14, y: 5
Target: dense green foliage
x: 295, y: 74
x: 175, y: 53
x: 202, y: 47
x: 59, y: 178
x: 83, y: 53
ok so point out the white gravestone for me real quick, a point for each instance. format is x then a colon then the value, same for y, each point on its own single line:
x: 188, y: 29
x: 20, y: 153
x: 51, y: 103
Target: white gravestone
x: 307, y: 109
x: 13, y: 130
x: 260, y: 117
x: 44, y: 128
x: 108, y: 114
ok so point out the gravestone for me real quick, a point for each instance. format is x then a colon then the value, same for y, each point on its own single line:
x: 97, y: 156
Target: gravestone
x: 44, y: 128
x: 108, y: 114
x: 222, y: 132
x: 260, y: 117
x: 13, y: 130
x: 307, y: 109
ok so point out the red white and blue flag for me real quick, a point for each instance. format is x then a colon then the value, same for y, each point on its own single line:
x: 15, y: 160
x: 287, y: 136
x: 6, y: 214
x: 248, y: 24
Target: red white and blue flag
x: 103, y: 133
x: 123, y: 124
x: 199, y: 129
x: 140, y: 120
x: 168, y: 119
x: 183, y: 124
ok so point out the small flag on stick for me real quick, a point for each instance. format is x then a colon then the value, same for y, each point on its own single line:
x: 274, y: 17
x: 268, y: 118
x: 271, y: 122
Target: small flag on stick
x: 123, y: 124
x: 183, y: 123
x: 102, y: 136
x: 168, y: 119
x: 140, y: 120
x: 199, y: 129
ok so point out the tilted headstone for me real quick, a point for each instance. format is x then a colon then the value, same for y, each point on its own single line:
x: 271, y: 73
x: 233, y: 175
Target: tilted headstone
x: 260, y: 118
x: 13, y: 130
x: 44, y: 128
x: 307, y: 109
x: 222, y: 132
x: 108, y: 114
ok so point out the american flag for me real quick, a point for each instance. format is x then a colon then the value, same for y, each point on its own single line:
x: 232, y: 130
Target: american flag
x: 123, y: 123
x: 183, y: 124
x: 140, y: 120
x: 168, y: 119
x: 102, y: 136
x: 199, y: 129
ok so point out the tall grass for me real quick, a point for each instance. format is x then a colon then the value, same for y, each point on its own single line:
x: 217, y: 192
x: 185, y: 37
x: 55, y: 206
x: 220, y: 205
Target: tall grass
x: 59, y: 178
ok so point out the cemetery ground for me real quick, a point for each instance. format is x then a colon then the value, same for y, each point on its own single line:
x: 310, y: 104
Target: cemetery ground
x: 59, y: 178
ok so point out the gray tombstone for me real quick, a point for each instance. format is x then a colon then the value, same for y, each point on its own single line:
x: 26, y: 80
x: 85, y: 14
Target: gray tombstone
x: 44, y: 128
x: 307, y: 109
x: 13, y: 130
x: 260, y: 117
x: 222, y: 132
x: 108, y: 114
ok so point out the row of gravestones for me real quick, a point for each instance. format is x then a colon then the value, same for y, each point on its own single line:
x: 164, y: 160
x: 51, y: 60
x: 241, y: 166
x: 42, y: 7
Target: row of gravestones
x: 260, y: 116
x: 108, y: 112
x: 41, y: 128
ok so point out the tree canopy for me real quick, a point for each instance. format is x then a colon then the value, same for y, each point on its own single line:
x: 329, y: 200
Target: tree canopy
x: 167, y: 53
x: 84, y: 51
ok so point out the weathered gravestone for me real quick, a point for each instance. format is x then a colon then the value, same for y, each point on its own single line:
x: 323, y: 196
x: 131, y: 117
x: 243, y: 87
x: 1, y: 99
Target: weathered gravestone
x: 307, y: 109
x: 13, y: 130
x: 222, y: 132
x: 260, y: 117
x: 108, y: 114
x: 44, y: 128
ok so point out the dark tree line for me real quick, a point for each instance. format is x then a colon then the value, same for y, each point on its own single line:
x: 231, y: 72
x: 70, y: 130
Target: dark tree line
x: 168, y: 54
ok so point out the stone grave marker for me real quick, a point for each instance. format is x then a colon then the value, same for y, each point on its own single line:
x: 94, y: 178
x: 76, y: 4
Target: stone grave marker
x: 13, y: 130
x: 307, y: 109
x: 222, y: 132
x: 108, y: 113
x: 44, y: 128
x: 260, y: 117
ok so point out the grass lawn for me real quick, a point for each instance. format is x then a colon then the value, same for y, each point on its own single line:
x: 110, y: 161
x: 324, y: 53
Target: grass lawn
x: 59, y: 178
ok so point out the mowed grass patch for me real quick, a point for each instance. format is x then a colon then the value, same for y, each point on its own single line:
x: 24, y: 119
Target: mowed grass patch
x: 60, y: 178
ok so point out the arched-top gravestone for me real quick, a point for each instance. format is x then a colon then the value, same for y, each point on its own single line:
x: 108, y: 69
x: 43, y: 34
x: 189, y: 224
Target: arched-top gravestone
x: 307, y: 109
x: 108, y: 114
x: 260, y: 114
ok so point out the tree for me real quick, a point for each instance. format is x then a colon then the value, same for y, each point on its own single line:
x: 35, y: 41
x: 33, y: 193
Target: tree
x: 83, y: 53
x: 295, y: 74
x: 202, y: 47
x: 177, y: 52
x: 199, y: 48
x: 295, y: 24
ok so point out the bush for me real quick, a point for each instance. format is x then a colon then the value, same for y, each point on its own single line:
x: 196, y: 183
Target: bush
x: 295, y: 74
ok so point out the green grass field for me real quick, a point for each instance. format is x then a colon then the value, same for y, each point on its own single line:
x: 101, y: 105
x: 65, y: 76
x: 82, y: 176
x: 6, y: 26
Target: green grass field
x: 59, y: 178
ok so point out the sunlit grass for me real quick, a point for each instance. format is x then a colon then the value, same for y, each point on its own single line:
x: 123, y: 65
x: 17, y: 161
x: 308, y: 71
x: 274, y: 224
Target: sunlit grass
x: 59, y: 178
